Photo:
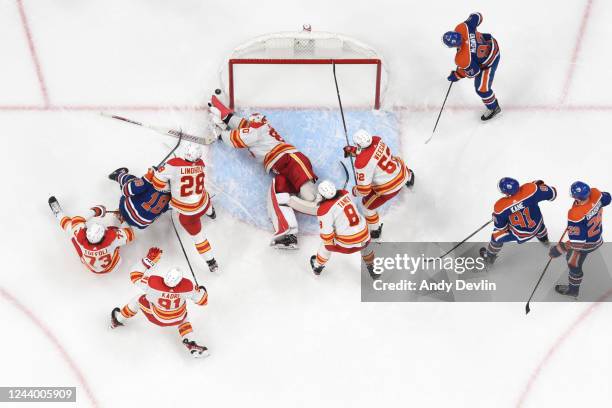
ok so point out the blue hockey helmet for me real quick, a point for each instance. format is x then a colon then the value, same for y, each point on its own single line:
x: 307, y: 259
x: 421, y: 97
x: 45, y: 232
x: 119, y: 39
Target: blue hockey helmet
x: 451, y: 39
x: 508, y: 185
x: 580, y: 190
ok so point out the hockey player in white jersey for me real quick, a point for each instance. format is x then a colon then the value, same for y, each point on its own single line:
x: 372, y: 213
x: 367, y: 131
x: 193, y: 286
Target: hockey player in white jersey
x: 293, y: 186
x: 164, y: 302
x: 342, y: 229
x: 190, y: 199
x: 97, y: 245
x: 380, y: 176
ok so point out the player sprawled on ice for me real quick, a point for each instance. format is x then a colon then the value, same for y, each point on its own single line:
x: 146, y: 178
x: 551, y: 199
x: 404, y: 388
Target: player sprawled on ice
x: 517, y: 216
x: 477, y: 57
x: 164, y: 301
x: 342, y: 229
x: 185, y: 175
x: 293, y: 184
x: 141, y: 202
x: 584, y: 229
x: 97, y: 245
x: 380, y: 176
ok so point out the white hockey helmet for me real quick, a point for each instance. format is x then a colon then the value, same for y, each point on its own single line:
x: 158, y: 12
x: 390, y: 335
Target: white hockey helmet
x: 172, y: 277
x: 95, y: 232
x: 362, y: 138
x: 327, y: 189
x: 193, y: 151
x: 257, y: 119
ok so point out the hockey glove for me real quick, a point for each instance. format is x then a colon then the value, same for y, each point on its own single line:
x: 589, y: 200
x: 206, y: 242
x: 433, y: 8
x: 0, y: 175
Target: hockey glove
x: 152, y: 257
x: 538, y: 182
x: 349, y: 151
x: 453, y: 77
x: 99, y: 210
x: 557, y: 250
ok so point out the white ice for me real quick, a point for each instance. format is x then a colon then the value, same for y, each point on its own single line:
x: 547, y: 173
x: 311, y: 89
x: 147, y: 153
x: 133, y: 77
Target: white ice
x: 280, y: 337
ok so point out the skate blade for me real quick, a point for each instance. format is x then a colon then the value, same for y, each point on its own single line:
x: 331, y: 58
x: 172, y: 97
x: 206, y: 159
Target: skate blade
x: 285, y: 247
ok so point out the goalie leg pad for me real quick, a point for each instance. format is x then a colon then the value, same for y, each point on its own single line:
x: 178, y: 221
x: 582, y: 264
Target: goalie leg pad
x: 282, y: 216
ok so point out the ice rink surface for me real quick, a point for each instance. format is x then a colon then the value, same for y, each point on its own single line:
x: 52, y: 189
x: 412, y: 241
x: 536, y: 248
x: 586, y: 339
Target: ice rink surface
x: 279, y: 336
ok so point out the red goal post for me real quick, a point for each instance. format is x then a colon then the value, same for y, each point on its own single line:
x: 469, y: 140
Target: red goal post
x: 305, y: 48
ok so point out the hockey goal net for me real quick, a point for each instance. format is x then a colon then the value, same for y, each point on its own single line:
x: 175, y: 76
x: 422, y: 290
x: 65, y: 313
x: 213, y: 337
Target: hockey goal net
x: 294, y: 69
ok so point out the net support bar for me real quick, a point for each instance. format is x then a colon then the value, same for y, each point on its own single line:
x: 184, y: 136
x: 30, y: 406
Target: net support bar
x: 306, y: 61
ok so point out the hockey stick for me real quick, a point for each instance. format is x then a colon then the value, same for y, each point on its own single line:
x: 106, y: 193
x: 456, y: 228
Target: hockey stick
x: 550, y: 258
x: 462, y: 242
x: 440, y: 114
x: 159, y: 129
x: 343, y: 121
x: 346, y: 175
x: 183, y: 248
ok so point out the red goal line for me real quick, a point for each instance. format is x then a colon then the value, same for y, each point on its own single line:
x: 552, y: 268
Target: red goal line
x: 305, y: 61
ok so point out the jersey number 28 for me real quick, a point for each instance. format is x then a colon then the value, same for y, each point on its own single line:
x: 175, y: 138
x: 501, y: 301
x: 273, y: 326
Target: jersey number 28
x: 191, y: 184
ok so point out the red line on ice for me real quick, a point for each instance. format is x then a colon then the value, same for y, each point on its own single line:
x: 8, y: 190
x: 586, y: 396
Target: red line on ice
x: 53, y: 339
x: 33, y: 54
x: 198, y: 108
x: 558, y: 344
x: 577, y: 46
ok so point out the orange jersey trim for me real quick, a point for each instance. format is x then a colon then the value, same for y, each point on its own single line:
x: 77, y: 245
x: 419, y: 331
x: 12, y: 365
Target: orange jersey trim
x: 236, y: 140
x: 357, y: 238
x: 136, y: 276
x: 179, y: 205
x: 275, y: 153
x: 463, y: 59
x: 396, y: 182
x: 169, y: 315
x: 158, y: 184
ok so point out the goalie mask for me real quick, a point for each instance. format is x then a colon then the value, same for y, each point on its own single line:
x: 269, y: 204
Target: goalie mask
x: 257, y: 119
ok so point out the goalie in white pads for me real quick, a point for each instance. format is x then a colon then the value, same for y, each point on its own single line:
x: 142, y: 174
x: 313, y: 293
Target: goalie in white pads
x: 190, y: 199
x: 380, y: 176
x: 342, y: 229
x: 97, y: 245
x: 293, y: 186
x: 164, y: 302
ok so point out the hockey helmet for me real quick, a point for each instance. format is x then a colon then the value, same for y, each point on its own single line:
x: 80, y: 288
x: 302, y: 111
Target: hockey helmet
x: 95, y: 232
x: 362, y: 138
x: 451, y: 39
x: 172, y: 277
x: 327, y: 189
x: 580, y: 190
x: 508, y: 186
x: 193, y: 152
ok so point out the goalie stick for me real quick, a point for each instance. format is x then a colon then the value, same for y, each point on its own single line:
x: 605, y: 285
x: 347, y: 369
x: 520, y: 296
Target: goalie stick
x: 159, y: 129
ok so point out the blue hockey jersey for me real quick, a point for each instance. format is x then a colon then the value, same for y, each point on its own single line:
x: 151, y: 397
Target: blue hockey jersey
x: 141, y: 203
x: 584, y: 221
x: 520, y: 213
x: 477, y: 51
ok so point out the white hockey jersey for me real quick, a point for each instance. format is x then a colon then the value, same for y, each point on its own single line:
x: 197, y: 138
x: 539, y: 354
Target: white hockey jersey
x: 264, y: 143
x: 341, y: 224
x: 102, y: 257
x: 378, y: 170
x: 186, y: 179
x: 166, y: 305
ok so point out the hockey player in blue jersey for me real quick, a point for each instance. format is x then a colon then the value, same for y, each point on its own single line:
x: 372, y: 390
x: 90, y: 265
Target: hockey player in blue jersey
x: 141, y: 203
x: 584, y: 230
x: 477, y: 57
x: 517, y: 216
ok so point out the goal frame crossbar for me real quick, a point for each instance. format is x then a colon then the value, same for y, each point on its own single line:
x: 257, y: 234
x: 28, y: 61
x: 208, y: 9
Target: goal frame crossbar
x: 304, y: 61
